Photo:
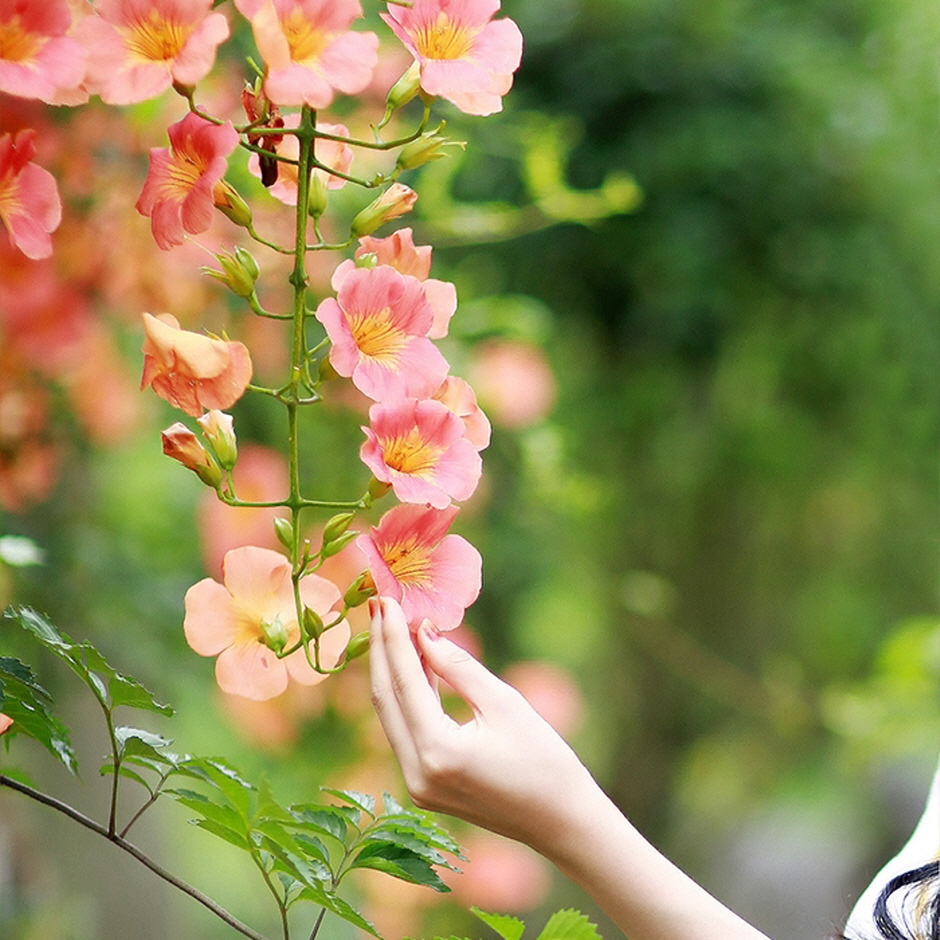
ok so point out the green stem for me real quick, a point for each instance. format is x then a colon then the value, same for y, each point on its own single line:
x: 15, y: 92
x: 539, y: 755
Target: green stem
x: 132, y: 850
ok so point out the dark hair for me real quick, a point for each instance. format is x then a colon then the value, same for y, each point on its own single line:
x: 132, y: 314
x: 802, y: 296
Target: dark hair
x: 922, y: 921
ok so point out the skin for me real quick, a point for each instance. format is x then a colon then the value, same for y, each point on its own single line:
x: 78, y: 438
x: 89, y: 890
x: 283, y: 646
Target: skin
x: 507, y: 770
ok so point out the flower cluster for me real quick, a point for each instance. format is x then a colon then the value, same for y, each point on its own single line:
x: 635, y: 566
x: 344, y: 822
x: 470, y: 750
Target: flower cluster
x: 273, y: 616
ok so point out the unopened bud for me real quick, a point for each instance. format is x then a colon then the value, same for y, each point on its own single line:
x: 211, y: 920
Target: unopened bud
x: 317, y: 196
x: 330, y: 549
x: 395, y: 201
x: 359, y: 591
x: 405, y: 89
x: 313, y: 623
x: 219, y: 431
x: 275, y: 634
x: 357, y: 646
x: 337, y: 526
x: 230, y: 204
x: 377, y: 489
x: 368, y: 260
x: 429, y: 146
x: 181, y: 444
x: 284, y: 532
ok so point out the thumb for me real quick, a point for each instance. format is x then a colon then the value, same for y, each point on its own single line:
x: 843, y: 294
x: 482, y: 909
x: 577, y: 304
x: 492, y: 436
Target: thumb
x: 467, y: 676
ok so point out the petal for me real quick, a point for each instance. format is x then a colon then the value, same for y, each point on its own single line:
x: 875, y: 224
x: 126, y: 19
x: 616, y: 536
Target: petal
x: 209, y: 624
x: 255, y: 577
x: 251, y: 670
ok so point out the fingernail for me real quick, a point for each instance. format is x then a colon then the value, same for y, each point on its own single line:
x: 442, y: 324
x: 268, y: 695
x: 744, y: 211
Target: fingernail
x: 430, y: 630
x: 373, y: 607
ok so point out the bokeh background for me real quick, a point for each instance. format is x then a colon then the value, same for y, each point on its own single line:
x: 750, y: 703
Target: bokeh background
x: 699, y: 270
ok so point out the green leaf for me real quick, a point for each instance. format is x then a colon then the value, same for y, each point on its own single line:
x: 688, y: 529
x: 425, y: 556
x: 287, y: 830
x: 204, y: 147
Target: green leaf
x: 125, y: 771
x: 24, y: 700
x: 336, y: 905
x: 410, y: 841
x: 325, y: 820
x: 232, y: 836
x: 207, y: 809
x: 509, y: 928
x: 361, y: 801
x: 310, y: 872
x: 400, y: 862
x: 223, y: 778
x: 569, y: 925
x: 134, y: 742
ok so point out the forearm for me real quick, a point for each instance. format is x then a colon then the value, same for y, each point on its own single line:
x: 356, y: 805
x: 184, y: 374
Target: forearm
x: 647, y: 896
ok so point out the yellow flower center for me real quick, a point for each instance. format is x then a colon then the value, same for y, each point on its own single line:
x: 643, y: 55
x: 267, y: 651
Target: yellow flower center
x: 377, y: 337
x: 410, y: 454
x: 409, y: 562
x: 16, y: 44
x: 444, y: 39
x: 156, y: 39
x: 183, y: 171
x: 305, y: 40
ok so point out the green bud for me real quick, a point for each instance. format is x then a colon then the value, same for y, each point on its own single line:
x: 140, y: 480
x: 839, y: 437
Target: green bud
x: 395, y: 201
x: 230, y: 204
x: 357, y: 646
x: 405, y: 89
x: 337, y: 545
x: 313, y: 623
x: 429, y: 146
x: 239, y: 272
x: 317, y: 196
x: 359, y: 591
x: 368, y: 259
x: 219, y: 432
x: 284, y: 531
x: 377, y: 489
x: 247, y: 261
x: 337, y: 526
x: 275, y: 634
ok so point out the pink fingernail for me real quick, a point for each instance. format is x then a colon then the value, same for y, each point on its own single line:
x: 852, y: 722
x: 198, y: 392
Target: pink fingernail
x: 373, y: 607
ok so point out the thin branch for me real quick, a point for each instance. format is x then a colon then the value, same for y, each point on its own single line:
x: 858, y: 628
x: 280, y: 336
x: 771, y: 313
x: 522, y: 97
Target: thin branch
x: 131, y: 849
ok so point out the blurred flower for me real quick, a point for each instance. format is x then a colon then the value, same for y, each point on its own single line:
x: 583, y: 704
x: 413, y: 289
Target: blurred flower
x: 139, y: 48
x: 192, y: 372
x: 419, y: 447
x: 274, y: 724
x: 397, y: 200
x: 181, y: 444
x: 460, y: 398
x: 378, y: 326
x: 551, y: 691
x: 309, y: 50
x: 513, y: 381
x: 261, y: 475
x: 465, y: 57
x: 431, y: 574
x: 178, y: 191
x: 5, y: 722
x: 236, y: 619
x: 399, y: 251
x: 29, y: 199
x: 331, y: 153
x: 37, y: 57
x: 500, y: 875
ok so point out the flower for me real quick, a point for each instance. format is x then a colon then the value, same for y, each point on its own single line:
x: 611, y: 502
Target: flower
x: 181, y: 444
x: 514, y: 381
x: 254, y: 605
x: 432, y: 574
x: 30, y: 207
x: 395, y: 201
x: 332, y: 153
x: 177, y: 194
x: 378, y: 326
x: 37, y: 57
x: 219, y: 430
x: 309, y: 49
x: 419, y: 447
x: 457, y: 395
x: 399, y: 251
x: 192, y: 372
x: 138, y: 48
x: 465, y: 56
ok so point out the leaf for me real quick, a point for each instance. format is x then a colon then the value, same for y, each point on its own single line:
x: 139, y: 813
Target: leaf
x: 509, y: 928
x: 207, y: 809
x: 399, y: 862
x: 223, y: 778
x: 125, y: 771
x: 110, y: 687
x: 325, y: 820
x: 569, y: 925
x: 232, y: 836
x: 336, y: 905
x: 410, y: 841
x: 24, y: 700
x: 310, y: 872
x: 134, y: 742
x: 361, y: 801
x: 429, y: 835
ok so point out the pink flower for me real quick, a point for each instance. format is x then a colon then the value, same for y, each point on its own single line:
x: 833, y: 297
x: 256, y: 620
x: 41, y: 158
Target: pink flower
x: 459, y: 397
x: 181, y: 444
x: 192, y: 372
x: 178, y: 192
x: 234, y: 621
x: 331, y: 153
x: 309, y: 49
x: 398, y: 250
x: 390, y: 204
x: 29, y: 199
x: 419, y: 447
x: 138, y: 48
x: 464, y: 56
x: 433, y: 575
x: 378, y: 326
x: 551, y: 691
x: 37, y: 57
x: 514, y: 381
x: 5, y: 722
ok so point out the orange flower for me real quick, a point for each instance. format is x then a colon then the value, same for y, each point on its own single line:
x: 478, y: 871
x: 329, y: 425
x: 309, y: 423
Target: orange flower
x: 192, y: 372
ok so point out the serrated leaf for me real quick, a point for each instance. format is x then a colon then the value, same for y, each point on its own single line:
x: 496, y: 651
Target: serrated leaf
x: 124, y: 771
x: 310, y: 872
x: 410, y: 841
x: 399, y: 862
x: 223, y: 778
x: 509, y: 928
x: 135, y: 742
x: 421, y: 829
x: 569, y: 925
x: 231, y: 836
x: 337, y: 905
x: 27, y: 703
x: 125, y: 690
x: 325, y: 820
x: 361, y: 801
x: 222, y: 814
x: 391, y: 806
x: 313, y: 847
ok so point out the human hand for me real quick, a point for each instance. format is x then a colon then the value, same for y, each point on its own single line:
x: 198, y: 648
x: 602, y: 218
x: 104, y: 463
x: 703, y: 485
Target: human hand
x: 505, y: 769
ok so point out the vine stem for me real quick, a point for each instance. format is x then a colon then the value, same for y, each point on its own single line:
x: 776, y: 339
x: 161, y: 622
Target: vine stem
x: 132, y: 850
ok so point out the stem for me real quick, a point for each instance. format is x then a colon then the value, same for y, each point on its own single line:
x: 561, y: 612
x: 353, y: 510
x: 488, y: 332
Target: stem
x: 316, y: 926
x: 131, y: 849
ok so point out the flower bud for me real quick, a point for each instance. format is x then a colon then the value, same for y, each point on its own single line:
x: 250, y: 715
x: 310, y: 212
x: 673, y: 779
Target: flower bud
x: 325, y: 370
x: 395, y: 201
x: 275, y: 634
x: 284, y: 531
x: 230, y: 204
x: 377, y: 489
x: 219, y: 431
x: 429, y: 146
x: 357, y: 646
x: 337, y: 545
x: 181, y: 444
x: 405, y: 89
x: 317, y: 196
x: 337, y: 526
x: 368, y: 259
x: 313, y: 623
x: 359, y: 591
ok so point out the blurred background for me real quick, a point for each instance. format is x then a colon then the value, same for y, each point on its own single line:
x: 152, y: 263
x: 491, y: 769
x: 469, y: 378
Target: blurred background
x: 698, y: 265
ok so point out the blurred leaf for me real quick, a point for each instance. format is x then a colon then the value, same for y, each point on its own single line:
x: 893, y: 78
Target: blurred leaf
x: 509, y: 928
x: 335, y: 904
x: 569, y: 925
x: 361, y: 801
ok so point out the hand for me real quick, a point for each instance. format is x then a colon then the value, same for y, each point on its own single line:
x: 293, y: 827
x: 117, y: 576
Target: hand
x: 506, y: 769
